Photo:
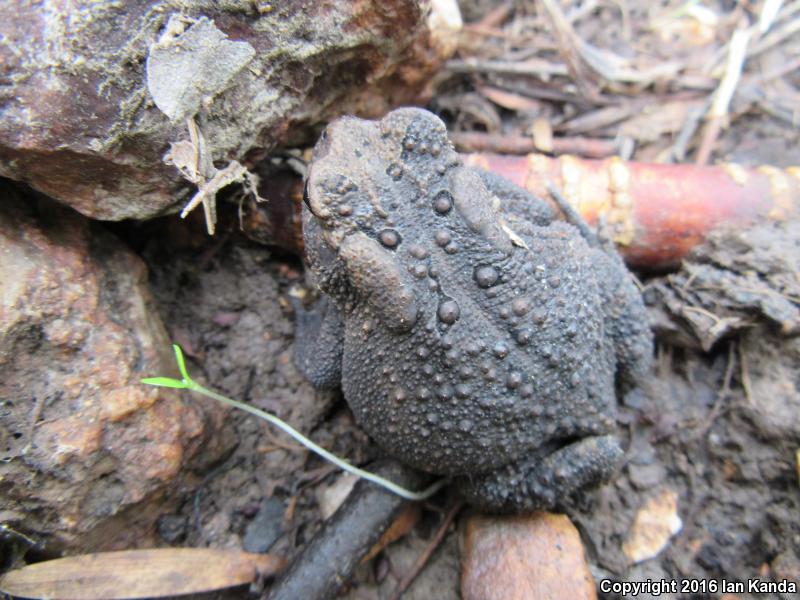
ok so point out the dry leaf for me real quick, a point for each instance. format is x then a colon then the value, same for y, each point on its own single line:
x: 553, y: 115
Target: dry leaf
x: 187, y: 65
x: 400, y: 527
x: 331, y: 497
x: 134, y: 574
x: 655, y: 523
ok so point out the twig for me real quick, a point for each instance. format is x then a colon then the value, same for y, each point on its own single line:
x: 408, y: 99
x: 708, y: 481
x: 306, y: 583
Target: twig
x: 533, y: 67
x: 584, y: 59
x: 775, y: 38
x: 774, y: 73
x: 569, y: 48
x: 478, y: 29
x: 723, y: 95
x: 690, y: 126
x: 423, y: 558
x: 194, y: 162
x: 497, y: 16
x: 713, y: 66
x: 579, y: 12
x: 745, y: 373
x: 597, y: 119
x: 474, y: 141
x: 722, y: 395
x: 554, y: 95
x: 35, y: 414
x: 769, y: 11
x: 326, y: 563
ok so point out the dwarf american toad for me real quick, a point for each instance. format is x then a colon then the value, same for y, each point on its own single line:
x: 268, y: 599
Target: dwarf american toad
x: 473, y: 334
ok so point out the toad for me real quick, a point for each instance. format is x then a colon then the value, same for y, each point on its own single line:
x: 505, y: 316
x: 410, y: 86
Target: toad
x: 475, y: 336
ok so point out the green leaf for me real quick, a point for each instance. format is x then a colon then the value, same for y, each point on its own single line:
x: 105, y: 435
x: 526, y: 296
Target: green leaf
x: 181, y: 363
x: 165, y: 382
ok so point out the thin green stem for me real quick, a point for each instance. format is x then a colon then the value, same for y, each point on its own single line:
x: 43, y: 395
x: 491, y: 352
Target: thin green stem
x: 188, y: 383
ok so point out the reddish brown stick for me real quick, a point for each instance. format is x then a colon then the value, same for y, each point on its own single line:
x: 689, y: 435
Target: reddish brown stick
x: 655, y: 213
x: 423, y: 558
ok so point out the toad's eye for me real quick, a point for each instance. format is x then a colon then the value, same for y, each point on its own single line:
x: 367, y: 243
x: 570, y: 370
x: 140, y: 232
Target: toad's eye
x: 306, y: 201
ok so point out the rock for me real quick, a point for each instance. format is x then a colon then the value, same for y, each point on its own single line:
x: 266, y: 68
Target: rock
x: 266, y: 526
x: 535, y: 557
x: 83, y: 83
x: 81, y: 440
x: 172, y: 528
x: 646, y: 476
x: 655, y: 523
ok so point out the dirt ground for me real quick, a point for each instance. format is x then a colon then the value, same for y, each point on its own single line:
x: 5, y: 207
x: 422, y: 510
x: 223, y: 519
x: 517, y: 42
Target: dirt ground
x: 719, y: 428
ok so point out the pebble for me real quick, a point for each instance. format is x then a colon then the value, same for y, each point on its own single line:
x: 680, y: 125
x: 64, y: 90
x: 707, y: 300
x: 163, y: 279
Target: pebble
x: 537, y: 556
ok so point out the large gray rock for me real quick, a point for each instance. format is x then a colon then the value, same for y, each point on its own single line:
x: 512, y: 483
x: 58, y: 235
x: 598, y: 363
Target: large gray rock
x: 77, y: 114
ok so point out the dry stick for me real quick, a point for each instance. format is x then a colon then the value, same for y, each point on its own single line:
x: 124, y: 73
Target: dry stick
x: 423, y: 558
x: 773, y: 107
x: 326, y: 563
x: 775, y: 38
x: 768, y: 14
x: 533, y: 67
x: 35, y: 414
x: 474, y: 141
x: 600, y: 118
x: 690, y: 126
x: 722, y: 97
x: 722, y: 395
x: 497, y: 16
x: 713, y: 67
x: 478, y: 29
x: 745, y: 375
x: 542, y: 93
x: 773, y: 73
x: 568, y: 48
x: 578, y: 13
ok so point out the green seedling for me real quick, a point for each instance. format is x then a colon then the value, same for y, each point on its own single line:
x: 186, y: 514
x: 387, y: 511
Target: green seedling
x: 187, y: 383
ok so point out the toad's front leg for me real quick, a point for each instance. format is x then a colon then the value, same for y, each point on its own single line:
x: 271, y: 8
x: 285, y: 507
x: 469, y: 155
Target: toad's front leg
x: 318, y: 343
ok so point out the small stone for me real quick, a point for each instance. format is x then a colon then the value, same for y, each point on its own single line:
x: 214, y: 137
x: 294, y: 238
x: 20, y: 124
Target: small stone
x: 267, y: 526
x: 646, y: 477
x: 655, y: 523
x: 172, y: 528
x: 539, y: 555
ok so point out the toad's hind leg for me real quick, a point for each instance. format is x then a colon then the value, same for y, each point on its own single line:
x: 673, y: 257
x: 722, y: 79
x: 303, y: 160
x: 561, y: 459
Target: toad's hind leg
x: 540, y: 483
x: 625, y: 314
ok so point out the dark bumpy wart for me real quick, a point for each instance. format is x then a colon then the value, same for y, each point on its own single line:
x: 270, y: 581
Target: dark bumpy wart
x: 474, y: 336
